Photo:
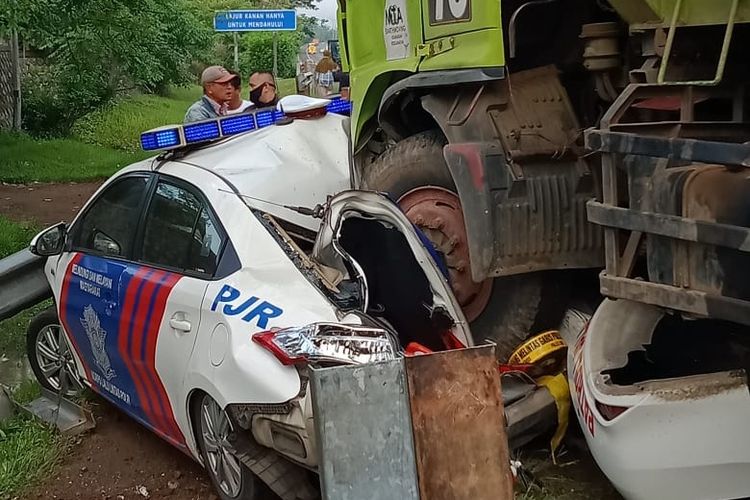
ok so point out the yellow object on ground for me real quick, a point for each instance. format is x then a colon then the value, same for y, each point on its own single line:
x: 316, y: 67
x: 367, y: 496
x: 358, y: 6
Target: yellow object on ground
x: 557, y: 385
x: 548, y: 351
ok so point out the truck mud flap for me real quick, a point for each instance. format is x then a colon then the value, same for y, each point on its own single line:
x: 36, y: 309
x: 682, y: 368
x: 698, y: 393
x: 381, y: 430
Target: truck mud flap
x: 22, y: 283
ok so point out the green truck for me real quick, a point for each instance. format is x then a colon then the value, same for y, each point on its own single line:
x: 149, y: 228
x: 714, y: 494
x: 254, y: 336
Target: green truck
x: 471, y: 113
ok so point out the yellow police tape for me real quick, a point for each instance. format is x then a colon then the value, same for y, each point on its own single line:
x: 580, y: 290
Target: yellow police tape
x: 542, y: 349
x: 548, y: 351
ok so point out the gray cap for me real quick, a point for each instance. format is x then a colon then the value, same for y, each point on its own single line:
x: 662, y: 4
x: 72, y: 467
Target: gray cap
x: 215, y: 74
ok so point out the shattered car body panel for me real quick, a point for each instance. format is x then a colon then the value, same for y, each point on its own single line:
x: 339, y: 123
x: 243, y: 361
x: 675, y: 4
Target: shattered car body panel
x: 355, y: 217
x: 662, y: 418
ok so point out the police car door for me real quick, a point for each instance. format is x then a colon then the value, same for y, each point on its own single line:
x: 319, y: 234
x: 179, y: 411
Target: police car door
x: 133, y: 295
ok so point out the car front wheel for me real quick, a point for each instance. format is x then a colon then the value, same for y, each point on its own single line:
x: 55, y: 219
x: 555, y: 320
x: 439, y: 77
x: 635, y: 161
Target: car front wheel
x: 50, y: 355
x: 231, y: 479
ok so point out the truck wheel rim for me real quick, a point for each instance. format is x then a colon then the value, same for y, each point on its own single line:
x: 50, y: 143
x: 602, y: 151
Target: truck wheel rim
x: 437, y: 212
x: 223, y: 465
x: 56, y: 361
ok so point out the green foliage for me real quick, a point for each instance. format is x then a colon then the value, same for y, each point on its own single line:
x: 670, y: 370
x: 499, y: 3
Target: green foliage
x: 256, y: 53
x: 28, y: 451
x: 14, y: 236
x: 97, y: 49
x: 13, y: 330
x: 27, y: 391
x: 119, y: 125
x: 24, y: 159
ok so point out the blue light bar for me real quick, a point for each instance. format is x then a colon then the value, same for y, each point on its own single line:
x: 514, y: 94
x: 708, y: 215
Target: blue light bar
x: 160, y: 139
x: 266, y: 118
x: 201, y: 131
x: 340, y: 106
x: 237, y: 124
x: 172, y: 137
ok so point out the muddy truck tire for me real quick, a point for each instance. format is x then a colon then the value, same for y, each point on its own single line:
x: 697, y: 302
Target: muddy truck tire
x: 504, y: 310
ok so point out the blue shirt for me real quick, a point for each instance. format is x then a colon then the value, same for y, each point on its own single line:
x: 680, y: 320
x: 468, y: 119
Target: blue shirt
x: 203, y: 110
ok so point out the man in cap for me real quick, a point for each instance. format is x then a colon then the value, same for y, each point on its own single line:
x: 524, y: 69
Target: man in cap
x: 217, y: 92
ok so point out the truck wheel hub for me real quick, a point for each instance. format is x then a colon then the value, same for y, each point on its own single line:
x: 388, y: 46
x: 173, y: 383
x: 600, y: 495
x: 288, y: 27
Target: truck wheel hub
x: 437, y: 212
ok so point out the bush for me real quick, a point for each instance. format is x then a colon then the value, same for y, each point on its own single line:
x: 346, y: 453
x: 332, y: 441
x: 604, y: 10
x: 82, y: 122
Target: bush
x: 51, y: 102
x: 256, y: 53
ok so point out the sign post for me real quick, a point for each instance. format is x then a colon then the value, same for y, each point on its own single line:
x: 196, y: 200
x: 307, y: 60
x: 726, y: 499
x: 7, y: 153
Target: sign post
x: 256, y: 20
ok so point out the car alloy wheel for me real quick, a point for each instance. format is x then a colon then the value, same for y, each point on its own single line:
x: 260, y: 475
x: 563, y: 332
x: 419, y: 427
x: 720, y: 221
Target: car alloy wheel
x: 222, y: 464
x: 55, y: 361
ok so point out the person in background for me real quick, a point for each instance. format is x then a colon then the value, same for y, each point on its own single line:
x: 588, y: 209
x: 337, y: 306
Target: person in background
x: 237, y: 104
x: 217, y: 91
x: 263, y: 89
x: 324, y: 74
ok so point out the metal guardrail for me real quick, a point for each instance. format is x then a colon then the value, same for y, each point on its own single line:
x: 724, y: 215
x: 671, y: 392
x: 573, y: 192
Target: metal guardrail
x: 22, y: 283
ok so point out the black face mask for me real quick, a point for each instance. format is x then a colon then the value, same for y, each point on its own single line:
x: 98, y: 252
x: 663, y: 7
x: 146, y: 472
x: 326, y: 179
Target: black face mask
x: 255, y: 98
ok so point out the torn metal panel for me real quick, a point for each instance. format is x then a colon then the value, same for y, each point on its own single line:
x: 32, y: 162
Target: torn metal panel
x: 67, y: 416
x: 364, y: 432
x: 460, y: 442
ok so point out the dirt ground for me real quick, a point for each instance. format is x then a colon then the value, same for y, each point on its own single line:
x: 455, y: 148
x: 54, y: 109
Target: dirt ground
x: 117, y: 460
x: 45, y: 204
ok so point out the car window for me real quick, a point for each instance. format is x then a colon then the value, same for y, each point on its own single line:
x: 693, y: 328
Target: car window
x: 206, y: 245
x: 180, y: 232
x: 111, y: 222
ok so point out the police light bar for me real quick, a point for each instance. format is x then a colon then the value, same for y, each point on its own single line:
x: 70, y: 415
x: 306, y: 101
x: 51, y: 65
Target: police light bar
x: 178, y: 136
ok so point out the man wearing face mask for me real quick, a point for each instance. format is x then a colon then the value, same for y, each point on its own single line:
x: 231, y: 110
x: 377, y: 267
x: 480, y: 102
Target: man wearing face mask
x: 263, y: 89
x: 217, y: 92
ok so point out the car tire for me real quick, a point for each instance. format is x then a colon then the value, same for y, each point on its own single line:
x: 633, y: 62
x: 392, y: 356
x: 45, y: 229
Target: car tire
x: 212, y: 425
x: 49, y: 354
x: 516, y: 306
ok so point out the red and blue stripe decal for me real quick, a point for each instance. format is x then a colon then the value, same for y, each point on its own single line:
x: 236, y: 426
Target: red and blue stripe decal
x: 117, y: 341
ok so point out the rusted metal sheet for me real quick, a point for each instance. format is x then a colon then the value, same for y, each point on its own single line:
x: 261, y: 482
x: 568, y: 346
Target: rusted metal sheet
x: 457, y: 417
x: 671, y: 226
x: 364, y: 434
x: 671, y: 297
x: 703, y: 151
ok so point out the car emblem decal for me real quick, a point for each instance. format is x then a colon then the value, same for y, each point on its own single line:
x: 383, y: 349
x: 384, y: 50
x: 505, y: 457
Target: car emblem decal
x: 97, y: 337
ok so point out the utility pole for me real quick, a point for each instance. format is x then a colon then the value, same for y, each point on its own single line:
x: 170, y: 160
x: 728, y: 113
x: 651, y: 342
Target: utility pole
x: 275, y: 54
x: 15, y: 61
x: 236, y: 51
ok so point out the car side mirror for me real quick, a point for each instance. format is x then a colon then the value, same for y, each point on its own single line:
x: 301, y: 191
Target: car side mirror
x: 50, y: 241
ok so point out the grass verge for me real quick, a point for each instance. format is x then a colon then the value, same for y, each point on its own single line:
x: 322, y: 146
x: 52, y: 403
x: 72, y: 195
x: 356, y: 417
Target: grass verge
x: 25, y: 159
x: 119, y: 125
x: 29, y: 449
x: 14, y: 236
x: 13, y: 330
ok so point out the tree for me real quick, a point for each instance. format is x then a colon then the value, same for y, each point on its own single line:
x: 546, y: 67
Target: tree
x: 257, y: 53
x: 96, y: 49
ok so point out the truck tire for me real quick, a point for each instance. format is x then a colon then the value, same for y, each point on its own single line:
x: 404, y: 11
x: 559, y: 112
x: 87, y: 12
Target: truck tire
x: 510, y: 307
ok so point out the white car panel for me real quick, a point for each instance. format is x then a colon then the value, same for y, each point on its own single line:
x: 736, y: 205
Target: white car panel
x: 682, y: 438
x: 299, y: 164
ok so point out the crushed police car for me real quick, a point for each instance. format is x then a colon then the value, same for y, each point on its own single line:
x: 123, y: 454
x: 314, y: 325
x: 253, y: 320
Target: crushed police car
x: 663, y: 401
x: 194, y: 289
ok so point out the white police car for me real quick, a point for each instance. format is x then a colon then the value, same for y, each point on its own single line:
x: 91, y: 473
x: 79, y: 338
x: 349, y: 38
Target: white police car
x: 191, y: 291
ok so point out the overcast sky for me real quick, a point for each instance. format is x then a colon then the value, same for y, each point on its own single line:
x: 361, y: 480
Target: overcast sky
x: 326, y: 10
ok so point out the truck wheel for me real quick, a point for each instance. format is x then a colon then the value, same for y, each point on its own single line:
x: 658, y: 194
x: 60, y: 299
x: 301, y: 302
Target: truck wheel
x: 414, y: 172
